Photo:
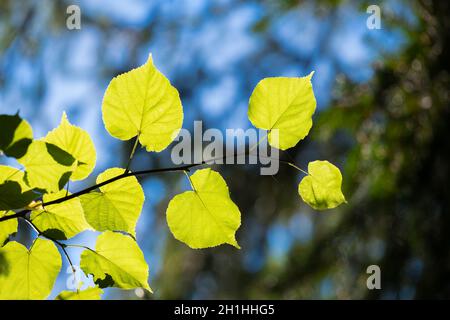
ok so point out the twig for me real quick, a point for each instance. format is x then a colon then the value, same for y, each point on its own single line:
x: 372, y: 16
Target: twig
x: 60, y: 244
x: 21, y: 214
x: 136, y: 141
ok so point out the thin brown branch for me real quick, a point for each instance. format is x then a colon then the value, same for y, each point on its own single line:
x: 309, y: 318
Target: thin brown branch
x: 22, y: 214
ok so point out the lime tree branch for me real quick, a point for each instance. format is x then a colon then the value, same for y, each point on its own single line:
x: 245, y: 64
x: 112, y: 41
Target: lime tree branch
x: 60, y: 244
x: 22, y: 214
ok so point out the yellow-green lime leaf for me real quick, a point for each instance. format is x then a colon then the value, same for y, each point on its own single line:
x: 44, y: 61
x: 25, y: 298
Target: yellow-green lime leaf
x: 7, y: 227
x: 116, y: 262
x: 283, y: 106
x: 117, y: 205
x: 16, y: 135
x: 76, y: 142
x: 29, y: 274
x: 47, y: 166
x: 321, y: 188
x: 14, y: 193
x: 7, y: 173
x: 205, y: 217
x: 143, y: 102
x: 12, y: 197
x: 87, y: 294
x: 61, y: 220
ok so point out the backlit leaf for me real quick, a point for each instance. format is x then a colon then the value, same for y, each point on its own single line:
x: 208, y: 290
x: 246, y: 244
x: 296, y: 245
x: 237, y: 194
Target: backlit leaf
x: 116, y: 262
x: 12, y: 197
x: 87, y: 294
x: 205, y: 217
x: 14, y: 193
x: 321, y: 189
x: 47, y: 166
x: 76, y: 142
x: 143, y: 102
x: 283, y: 106
x: 8, y: 173
x: 7, y: 227
x: 16, y: 135
x: 117, y: 205
x: 62, y: 220
x: 29, y: 274
x: 7, y: 200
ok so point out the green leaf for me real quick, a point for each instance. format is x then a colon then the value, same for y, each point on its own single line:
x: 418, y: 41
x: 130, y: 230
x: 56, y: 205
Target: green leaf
x: 10, y: 174
x: 7, y: 227
x: 117, y: 205
x: 321, y: 188
x: 143, y: 102
x: 16, y: 135
x: 88, y: 294
x: 284, y: 107
x: 48, y: 167
x: 12, y: 197
x: 205, y: 217
x: 116, y: 262
x: 29, y: 274
x: 62, y: 220
x: 76, y: 142
x: 14, y: 193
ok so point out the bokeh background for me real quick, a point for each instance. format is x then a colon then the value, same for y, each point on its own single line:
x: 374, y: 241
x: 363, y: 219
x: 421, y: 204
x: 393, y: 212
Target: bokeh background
x: 383, y: 119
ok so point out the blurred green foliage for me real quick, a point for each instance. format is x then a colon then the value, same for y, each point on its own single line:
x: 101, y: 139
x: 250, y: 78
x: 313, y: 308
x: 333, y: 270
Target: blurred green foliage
x: 392, y: 136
